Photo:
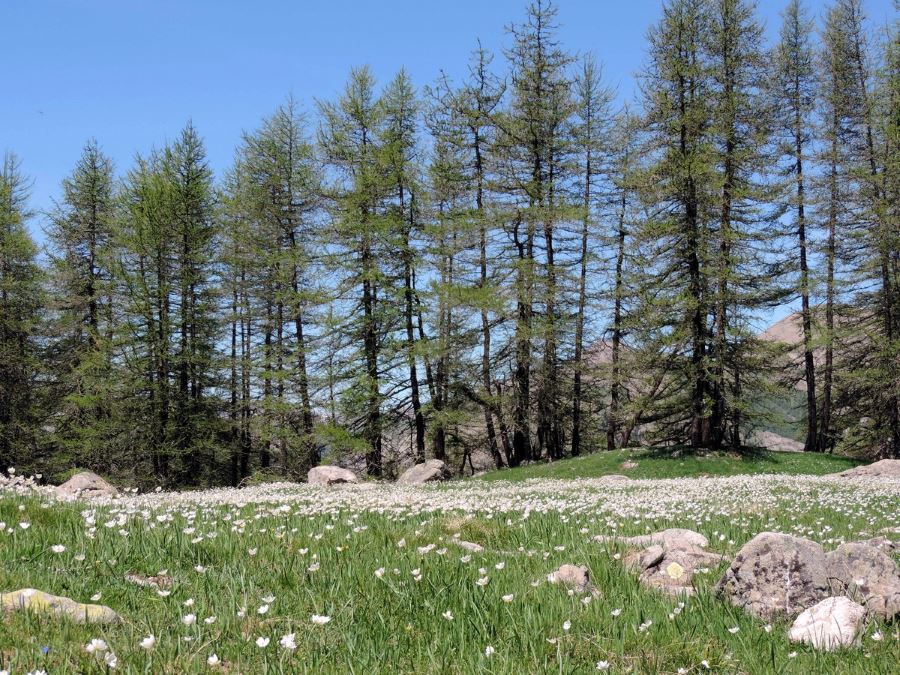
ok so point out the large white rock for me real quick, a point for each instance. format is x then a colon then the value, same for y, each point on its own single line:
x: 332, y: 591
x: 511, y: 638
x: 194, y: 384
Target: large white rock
x: 832, y: 623
x: 86, y: 484
x: 433, y: 469
x: 330, y: 475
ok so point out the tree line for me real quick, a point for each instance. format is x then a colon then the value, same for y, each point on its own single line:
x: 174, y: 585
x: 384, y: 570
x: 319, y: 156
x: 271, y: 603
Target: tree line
x: 514, y: 266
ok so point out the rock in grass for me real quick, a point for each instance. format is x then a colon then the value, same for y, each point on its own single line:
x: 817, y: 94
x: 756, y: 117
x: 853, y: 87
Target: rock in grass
x: 831, y: 623
x: 573, y: 577
x: 867, y: 575
x: 432, y: 470
x: 672, y: 538
x: 159, y: 581
x: 776, y: 574
x: 673, y: 572
x: 39, y: 602
x: 886, y: 468
x: 330, y: 475
x: 469, y: 545
x: 780, y: 574
x: 86, y: 485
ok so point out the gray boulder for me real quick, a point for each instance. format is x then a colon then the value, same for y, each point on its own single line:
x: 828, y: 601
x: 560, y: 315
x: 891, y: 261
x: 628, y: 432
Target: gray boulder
x: 867, y: 575
x: 776, y: 574
x: 330, y: 475
x: 86, y: 485
x: 432, y: 470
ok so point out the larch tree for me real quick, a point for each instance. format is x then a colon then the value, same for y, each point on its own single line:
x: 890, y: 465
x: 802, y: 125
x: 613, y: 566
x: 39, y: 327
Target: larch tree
x: 80, y: 234
x: 20, y: 304
x: 794, y: 91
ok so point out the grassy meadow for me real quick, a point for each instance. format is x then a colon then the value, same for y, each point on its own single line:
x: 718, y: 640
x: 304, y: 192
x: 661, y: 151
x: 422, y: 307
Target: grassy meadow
x: 372, y: 578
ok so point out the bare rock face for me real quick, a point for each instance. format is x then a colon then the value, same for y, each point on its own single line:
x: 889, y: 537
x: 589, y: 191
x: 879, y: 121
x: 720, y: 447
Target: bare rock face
x: 832, y: 623
x: 432, y: 470
x: 673, y: 538
x: 29, y: 599
x: 867, y: 575
x: 86, y: 485
x: 574, y: 577
x: 886, y: 468
x: 776, y: 574
x: 330, y: 475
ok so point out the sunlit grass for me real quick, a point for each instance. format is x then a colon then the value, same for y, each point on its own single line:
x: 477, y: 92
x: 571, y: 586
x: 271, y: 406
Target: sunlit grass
x: 322, y: 552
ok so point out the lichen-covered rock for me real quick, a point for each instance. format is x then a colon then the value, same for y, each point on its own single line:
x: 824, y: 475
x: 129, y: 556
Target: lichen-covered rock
x: 672, y: 570
x: 885, y: 468
x: 574, y: 577
x: 776, y: 574
x: 432, y: 470
x: 831, y: 623
x: 867, y: 575
x: 39, y: 602
x: 86, y: 485
x: 672, y: 538
x: 330, y: 475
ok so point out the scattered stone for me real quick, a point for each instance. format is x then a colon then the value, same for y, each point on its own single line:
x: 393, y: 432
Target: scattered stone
x: 469, y: 545
x: 86, y: 485
x: 44, y: 603
x: 672, y: 538
x: 776, y: 574
x: 160, y: 581
x: 867, y: 575
x: 573, y: 577
x: 432, y: 470
x: 886, y: 468
x: 330, y: 475
x: 831, y: 623
x: 629, y: 464
x: 671, y: 570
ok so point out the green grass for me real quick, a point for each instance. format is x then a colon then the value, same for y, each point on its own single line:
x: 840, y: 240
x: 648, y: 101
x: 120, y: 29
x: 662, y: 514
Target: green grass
x: 394, y: 624
x: 652, y: 463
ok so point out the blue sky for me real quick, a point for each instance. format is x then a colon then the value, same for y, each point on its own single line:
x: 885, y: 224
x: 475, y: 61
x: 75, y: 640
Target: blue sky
x: 130, y: 73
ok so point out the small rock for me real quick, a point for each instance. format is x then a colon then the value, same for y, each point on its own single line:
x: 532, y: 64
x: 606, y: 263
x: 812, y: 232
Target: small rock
x: 629, y: 464
x: 160, y: 581
x: 45, y: 603
x: 330, y: 475
x: 572, y: 576
x: 833, y: 622
x: 86, y: 485
x: 432, y: 470
x: 469, y: 545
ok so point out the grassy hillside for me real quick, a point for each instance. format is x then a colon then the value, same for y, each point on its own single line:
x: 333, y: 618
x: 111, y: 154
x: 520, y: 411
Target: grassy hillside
x: 662, y: 464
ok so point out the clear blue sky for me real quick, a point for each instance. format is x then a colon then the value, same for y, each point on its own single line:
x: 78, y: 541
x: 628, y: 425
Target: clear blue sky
x: 130, y: 73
